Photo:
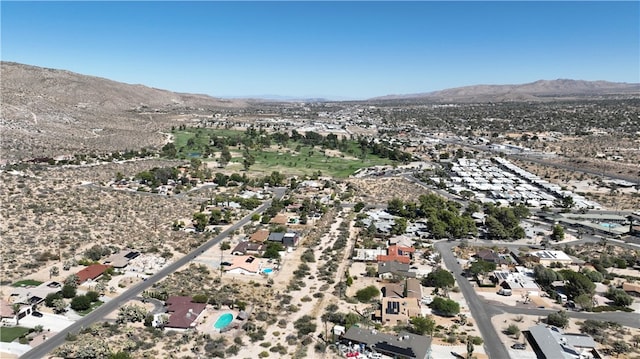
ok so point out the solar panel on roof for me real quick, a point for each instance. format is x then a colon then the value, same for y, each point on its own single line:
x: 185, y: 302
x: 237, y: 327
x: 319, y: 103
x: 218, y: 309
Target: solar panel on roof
x: 394, y: 349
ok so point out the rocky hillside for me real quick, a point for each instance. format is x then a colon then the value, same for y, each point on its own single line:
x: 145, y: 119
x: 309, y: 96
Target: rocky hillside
x: 47, y: 112
x: 536, y: 91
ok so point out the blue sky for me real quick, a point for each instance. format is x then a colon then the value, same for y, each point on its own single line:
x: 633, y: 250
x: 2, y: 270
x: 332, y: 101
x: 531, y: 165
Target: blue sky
x: 341, y: 50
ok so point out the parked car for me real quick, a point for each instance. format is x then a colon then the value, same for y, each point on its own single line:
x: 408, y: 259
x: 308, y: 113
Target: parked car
x: 37, y: 314
x: 519, y: 346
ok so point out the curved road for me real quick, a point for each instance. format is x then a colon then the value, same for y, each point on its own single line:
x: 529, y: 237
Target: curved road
x: 43, y: 349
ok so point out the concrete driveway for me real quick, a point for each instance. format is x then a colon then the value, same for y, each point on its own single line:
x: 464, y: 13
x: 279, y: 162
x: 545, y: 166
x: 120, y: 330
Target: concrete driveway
x: 50, y: 322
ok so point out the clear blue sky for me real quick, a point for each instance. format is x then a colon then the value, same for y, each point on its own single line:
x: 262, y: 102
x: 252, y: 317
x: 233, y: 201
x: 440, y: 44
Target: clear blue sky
x: 351, y: 50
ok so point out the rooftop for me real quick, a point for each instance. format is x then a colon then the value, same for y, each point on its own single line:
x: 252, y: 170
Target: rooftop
x: 405, y: 345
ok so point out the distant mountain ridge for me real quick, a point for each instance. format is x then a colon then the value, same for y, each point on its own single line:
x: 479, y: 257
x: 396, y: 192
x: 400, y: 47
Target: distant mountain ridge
x: 538, y: 90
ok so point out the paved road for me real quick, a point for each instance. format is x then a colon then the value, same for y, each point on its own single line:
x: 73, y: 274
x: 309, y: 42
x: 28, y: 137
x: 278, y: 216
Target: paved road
x: 43, y: 349
x: 480, y: 311
x: 483, y: 310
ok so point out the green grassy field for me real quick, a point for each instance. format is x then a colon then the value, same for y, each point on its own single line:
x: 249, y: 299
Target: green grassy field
x: 9, y: 334
x: 26, y: 283
x: 307, y: 161
x: 284, y: 159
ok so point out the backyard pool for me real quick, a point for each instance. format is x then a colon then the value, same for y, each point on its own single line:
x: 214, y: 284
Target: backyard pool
x: 267, y: 271
x: 223, y: 321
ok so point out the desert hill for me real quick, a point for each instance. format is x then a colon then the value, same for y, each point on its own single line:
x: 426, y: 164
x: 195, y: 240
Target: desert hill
x: 47, y: 112
x: 535, y: 91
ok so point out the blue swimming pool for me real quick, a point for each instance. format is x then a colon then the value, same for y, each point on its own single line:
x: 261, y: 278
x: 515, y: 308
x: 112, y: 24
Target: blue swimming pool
x: 267, y: 270
x: 223, y: 320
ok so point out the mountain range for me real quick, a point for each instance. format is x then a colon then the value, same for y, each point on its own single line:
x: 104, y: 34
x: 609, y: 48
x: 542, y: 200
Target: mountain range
x: 47, y: 111
x: 538, y: 90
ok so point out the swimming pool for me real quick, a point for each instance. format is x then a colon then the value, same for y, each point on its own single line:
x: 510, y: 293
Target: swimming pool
x: 223, y: 320
x: 267, y: 270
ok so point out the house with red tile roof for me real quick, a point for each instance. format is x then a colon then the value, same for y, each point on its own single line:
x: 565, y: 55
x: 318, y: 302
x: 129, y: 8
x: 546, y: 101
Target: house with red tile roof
x: 183, y: 312
x: 92, y: 272
x: 397, y: 253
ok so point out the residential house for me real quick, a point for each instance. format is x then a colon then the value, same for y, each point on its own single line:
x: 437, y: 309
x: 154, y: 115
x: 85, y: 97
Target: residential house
x: 288, y: 239
x: 488, y: 255
x: 368, y: 254
x: 402, y: 241
x: 387, y: 270
x: 92, y: 272
x: 34, y: 295
x: 276, y: 237
x: 121, y: 259
x: 550, y: 342
x: 403, y: 346
x: 183, y: 312
x: 244, y: 248
x: 244, y: 265
x: 546, y: 257
x: 398, y: 254
x: 259, y: 236
x: 631, y: 288
x: 400, y: 302
x: 520, y: 282
x: 6, y: 312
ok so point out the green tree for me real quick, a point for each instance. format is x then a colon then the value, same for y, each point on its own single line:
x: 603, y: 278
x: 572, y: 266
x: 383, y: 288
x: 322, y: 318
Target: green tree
x: 273, y: 250
x: 54, y: 271
x: 513, y: 330
x: 577, y: 283
x: 566, y: 202
x: 59, y: 305
x: 225, y: 156
x: 358, y: 207
x: 593, y: 275
x: 199, y: 221
x: 585, y: 301
x: 481, y: 267
x: 169, y: 150
x: 81, y: 302
x: 619, y: 297
x: 68, y: 291
x: 423, y: 325
x: 545, y: 276
x: 48, y: 300
x: 559, y: 319
x: 445, y: 307
x: 72, y: 281
x: 366, y: 294
x: 93, y: 296
x: 248, y: 161
x: 558, y: 233
x: 439, y: 278
x: 399, y: 226
x: 276, y: 178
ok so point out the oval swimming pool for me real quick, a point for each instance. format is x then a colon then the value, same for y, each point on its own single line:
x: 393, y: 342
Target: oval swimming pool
x: 267, y: 270
x: 223, y: 320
